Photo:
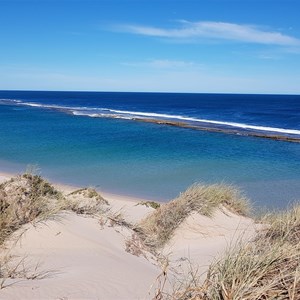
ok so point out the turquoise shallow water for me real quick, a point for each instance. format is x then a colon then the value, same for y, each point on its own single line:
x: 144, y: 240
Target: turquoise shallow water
x: 143, y: 159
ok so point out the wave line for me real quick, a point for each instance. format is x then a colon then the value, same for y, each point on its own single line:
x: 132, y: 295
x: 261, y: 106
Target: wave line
x: 95, y: 112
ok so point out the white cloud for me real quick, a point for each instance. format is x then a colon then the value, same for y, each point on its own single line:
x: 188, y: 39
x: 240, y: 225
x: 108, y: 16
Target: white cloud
x: 216, y: 30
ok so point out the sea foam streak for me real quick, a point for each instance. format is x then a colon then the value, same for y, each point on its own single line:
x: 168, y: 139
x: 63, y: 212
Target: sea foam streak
x: 97, y: 112
x: 232, y: 124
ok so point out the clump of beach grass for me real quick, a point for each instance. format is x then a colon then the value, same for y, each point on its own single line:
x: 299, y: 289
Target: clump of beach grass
x: 157, y: 228
x: 151, y: 204
x: 86, y: 201
x: 283, y: 226
x: 28, y: 197
x: 23, y: 199
x: 267, y: 267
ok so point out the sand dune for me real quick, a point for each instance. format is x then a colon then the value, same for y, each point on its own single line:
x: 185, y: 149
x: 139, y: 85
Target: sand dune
x: 73, y: 256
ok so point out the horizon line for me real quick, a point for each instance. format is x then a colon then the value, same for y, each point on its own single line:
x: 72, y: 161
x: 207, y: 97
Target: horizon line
x: 147, y: 92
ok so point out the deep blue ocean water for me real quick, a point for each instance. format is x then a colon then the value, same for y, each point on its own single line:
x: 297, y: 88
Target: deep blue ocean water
x: 89, y: 138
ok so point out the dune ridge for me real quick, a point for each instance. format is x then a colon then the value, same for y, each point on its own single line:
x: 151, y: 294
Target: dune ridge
x: 83, y: 245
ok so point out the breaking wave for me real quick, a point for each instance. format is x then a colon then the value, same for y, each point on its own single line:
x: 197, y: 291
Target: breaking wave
x: 97, y: 112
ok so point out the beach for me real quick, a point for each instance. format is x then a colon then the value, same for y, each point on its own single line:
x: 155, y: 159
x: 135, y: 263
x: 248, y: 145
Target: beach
x: 109, y: 207
x: 149, y: 150
x: 81, y: 256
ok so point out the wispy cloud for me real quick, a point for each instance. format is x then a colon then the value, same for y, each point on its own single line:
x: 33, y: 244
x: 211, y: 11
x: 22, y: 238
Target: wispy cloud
x: 215, y: 30
x: 162, y: 64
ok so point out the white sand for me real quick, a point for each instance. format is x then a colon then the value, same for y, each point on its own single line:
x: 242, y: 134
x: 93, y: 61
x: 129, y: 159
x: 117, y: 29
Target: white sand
x: 83, y: 259
x: 199, y: 239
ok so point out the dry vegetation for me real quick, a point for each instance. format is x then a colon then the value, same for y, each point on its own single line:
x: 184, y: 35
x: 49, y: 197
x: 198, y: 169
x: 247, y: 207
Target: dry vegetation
x: 86, y: 201
x: 24, y: 199
x: 157, y: 228
x: 151, y: 204
x: 27, y: 198
x: 265, y: 268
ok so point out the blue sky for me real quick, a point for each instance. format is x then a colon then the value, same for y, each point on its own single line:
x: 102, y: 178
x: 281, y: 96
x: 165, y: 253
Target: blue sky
x: 223, y: 46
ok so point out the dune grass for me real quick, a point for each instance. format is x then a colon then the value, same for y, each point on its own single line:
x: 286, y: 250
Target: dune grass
x: 157, y: 228
x: 152, y: 204
x: 23, y: 199
x: 283, y: 226
x: 28, y: 197
x: 85, y: 201
x: 266, y: 268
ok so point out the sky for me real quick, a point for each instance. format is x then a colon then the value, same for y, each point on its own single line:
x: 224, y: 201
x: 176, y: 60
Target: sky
x: 202, y: 46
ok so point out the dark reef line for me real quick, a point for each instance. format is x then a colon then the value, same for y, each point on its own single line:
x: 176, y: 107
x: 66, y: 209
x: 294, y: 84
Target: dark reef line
x: 276, y: 137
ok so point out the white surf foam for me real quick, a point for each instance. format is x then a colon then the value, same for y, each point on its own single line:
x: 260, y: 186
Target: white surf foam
x: 231, y: 124
x: 95, y: 112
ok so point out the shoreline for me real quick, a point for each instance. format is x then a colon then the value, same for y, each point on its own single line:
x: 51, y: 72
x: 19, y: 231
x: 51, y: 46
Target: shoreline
x: 68, y: 188
x: 84, y: 256
x: 77, y: 245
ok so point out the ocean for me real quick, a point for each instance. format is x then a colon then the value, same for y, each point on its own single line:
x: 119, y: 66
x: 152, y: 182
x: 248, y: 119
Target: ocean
x: 155, y: 145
